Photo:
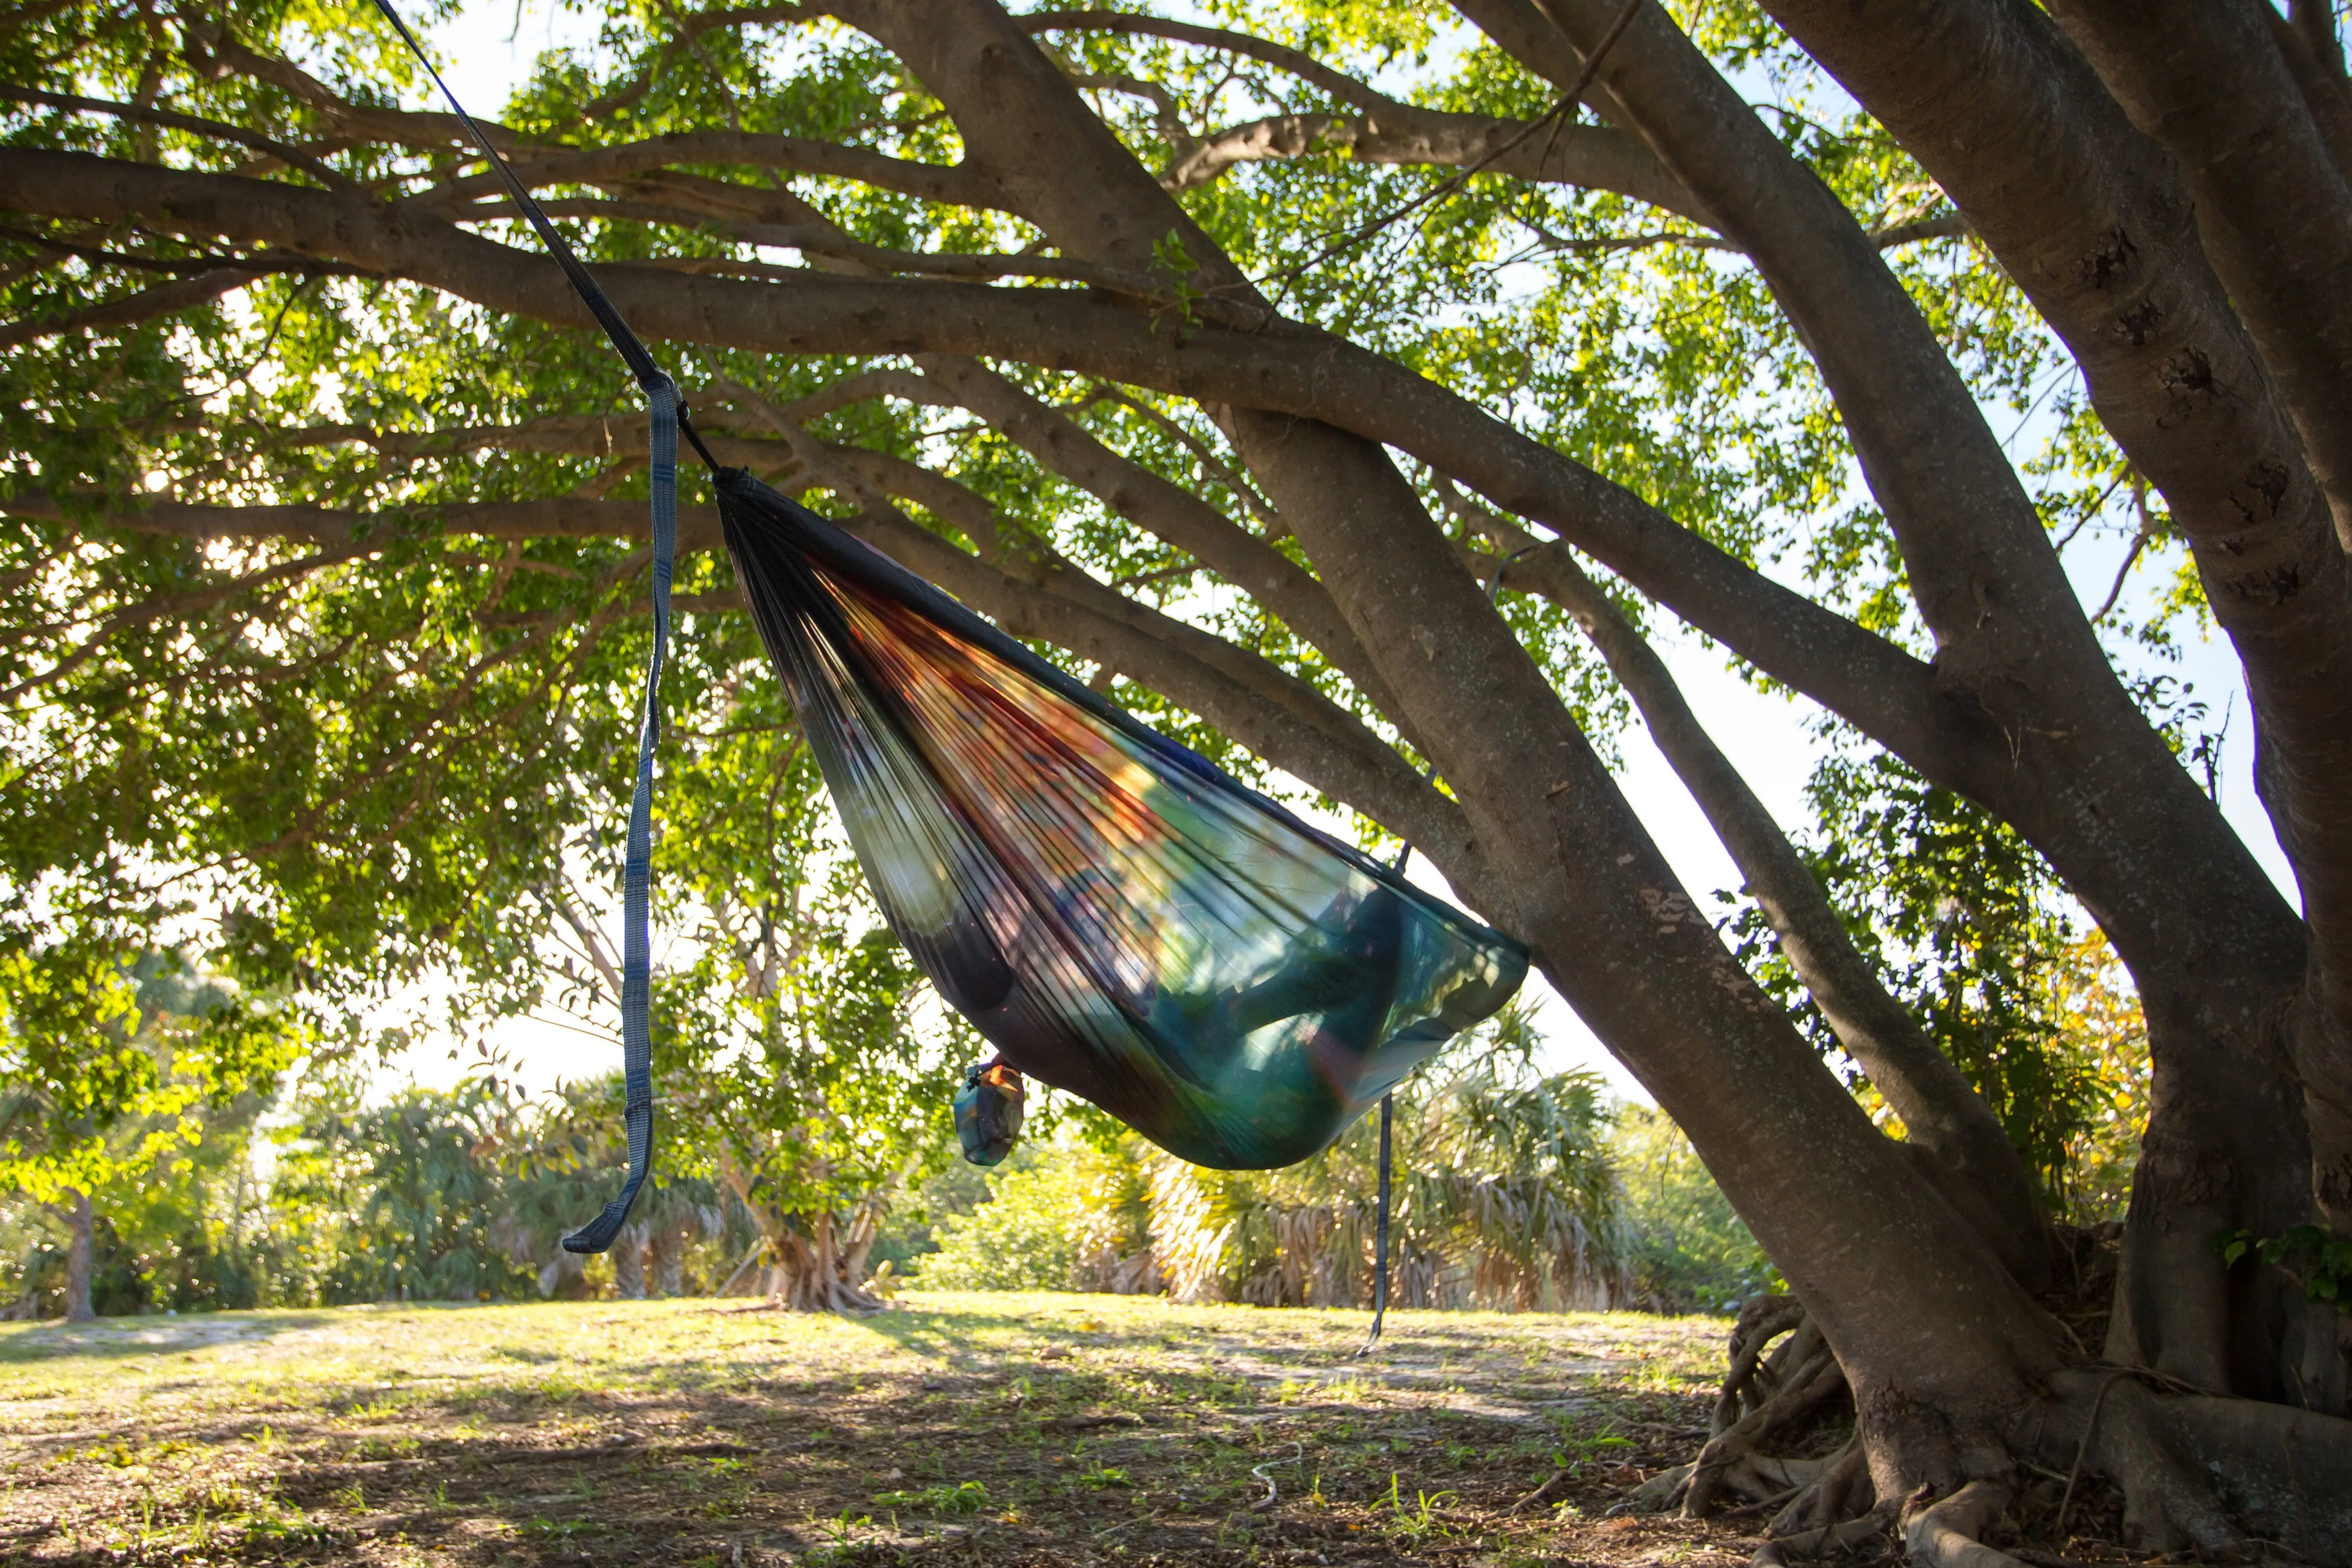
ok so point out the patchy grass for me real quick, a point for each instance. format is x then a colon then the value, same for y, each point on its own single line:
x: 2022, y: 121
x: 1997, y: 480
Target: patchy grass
x: 1031, y: 1429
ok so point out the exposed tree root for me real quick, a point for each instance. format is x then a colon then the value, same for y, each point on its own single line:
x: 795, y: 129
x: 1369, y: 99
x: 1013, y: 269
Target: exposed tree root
x: 2201, y: 1472
x: 2226, y: 1478
x: 1799, y: 1545
x: 1947, y: 1533
x: 1771, y: 1394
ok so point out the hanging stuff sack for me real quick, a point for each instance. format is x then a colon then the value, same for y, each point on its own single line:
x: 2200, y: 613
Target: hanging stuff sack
x: 987, y: 1111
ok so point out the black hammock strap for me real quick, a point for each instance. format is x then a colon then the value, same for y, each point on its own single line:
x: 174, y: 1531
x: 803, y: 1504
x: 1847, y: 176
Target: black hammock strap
x: 667, y: 417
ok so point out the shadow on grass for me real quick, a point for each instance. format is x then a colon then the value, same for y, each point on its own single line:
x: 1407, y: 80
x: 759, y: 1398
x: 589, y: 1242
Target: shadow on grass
x: 121, y: 1337
x: 943, y: 1332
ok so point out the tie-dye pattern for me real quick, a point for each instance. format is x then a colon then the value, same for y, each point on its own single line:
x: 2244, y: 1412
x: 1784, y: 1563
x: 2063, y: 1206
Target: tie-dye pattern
x: 1118, y: 916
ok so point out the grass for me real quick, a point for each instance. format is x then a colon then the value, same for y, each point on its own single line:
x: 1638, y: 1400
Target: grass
x: 988, y: 1428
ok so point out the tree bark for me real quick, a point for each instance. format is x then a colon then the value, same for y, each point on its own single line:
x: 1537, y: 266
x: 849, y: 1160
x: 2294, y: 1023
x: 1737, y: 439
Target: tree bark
x: 79, y: 1260
x: 1932, y: 1319
x: 2274, y: 217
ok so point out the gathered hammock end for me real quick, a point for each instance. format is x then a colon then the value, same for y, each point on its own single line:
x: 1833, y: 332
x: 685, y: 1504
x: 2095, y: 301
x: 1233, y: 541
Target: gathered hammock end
x: 1119, y: 917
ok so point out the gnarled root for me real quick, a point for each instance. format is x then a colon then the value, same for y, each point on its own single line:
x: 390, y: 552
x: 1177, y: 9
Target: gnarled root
x: 2201, y: 1471
x: 1837, y: 1495
x: 1766, y: 1397
x: 1798, y: 1545
x: 2229, y: 1477
x: 1946, y: 1534
x: 808, y: 1274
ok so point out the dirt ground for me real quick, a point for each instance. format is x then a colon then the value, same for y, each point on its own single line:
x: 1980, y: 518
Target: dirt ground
x: 984, y: 1429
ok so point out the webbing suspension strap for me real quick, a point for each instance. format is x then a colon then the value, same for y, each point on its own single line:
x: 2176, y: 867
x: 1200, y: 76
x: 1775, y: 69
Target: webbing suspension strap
x: 668, y: 416
x: 1381, y: 1227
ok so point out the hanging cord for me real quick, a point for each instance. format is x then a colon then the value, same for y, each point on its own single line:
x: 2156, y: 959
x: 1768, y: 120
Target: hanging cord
x: 1388, y: 1100
x: 1381, y: 1225
x: 1381, y: 1219
x: 668, y: 416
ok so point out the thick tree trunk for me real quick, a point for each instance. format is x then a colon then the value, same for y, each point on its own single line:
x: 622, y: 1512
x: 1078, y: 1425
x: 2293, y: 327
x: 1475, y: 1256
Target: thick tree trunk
x: 2211, y: 85
x: 812, y: 1272
x: 79, y: 1261
x: 807, y: 1270
x: 2090, y: 220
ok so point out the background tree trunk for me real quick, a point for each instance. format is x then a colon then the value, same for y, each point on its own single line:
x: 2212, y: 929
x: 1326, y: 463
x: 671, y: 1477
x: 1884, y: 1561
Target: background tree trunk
x: 79, y: 1262
x: 629, y: 1265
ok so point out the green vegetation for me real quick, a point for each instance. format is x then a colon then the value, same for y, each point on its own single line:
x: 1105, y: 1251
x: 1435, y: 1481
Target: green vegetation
x: 1514, y: 1189
x: 1975, y: 934
x: 1504, y: 1196
x: 1689, y: 1251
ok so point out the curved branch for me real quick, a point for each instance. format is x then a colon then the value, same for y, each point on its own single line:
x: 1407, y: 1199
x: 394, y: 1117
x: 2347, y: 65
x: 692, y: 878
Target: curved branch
x: 1591, y: 156
x: 1297, y: 62
x: 2097, y: 225
x: 195, y: 125
x: 1882, y: 690
x: 949, y: 184
x: 1063, y: 447
x: 131, y: 308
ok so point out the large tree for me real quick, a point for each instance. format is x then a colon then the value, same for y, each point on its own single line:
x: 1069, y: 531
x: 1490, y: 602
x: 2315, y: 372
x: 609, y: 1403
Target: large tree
x: 1205, y: 358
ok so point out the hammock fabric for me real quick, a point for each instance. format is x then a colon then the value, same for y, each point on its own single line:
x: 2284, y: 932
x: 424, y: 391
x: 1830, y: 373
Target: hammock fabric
x: 1119, y: 917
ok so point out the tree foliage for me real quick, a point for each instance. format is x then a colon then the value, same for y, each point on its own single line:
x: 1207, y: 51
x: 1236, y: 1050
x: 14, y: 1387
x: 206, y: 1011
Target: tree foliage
x: 1240, y: 365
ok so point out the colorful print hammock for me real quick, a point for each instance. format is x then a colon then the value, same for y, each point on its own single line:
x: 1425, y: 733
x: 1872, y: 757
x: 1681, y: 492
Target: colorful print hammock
x: 1119, y: 917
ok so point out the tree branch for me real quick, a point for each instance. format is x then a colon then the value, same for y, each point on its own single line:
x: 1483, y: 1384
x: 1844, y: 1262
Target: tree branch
x: 131, y: 308
x: 2208, y: 82
x: 561, y: 517
x: 949, y: 184
x: 1590, y: 156
x: 166, y: 605
x: 1063, y: 446
x: 195, y: 125
x: 2095, y: 221
x: 1386, y: 129
x: 1885, y: 692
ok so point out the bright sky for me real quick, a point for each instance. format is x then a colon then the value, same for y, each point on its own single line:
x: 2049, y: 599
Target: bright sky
x: 489, y: 49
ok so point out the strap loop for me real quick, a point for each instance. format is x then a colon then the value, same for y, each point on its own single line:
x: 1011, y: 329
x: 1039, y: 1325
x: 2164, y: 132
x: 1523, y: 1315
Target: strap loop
x: 636, y: 875
x: 668, y: 416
